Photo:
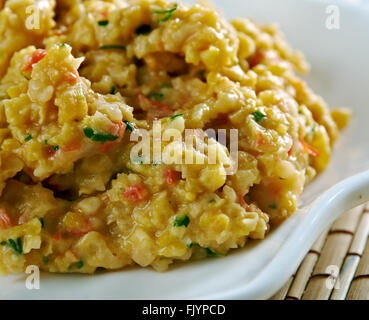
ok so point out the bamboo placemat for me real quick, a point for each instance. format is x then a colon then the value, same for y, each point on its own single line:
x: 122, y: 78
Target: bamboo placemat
x: 337, y: 265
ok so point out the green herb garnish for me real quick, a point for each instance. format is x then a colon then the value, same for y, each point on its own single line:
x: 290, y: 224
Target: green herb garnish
x: 65, y: 44
x: 143, y: 29
x: 3, y: 243
x: 25, y: 76
x: 17, y: 246
x: 78, y: 265
x: 181, y: 221
x: 99, y: 136
x: 156, y: 96
x: 103, y: 23
x: 212, y: 201
x: 176, y: 116
x: 113, y: 90
x: 129, y: 125
x: 273, y: 206
x: 46, y: 141
x: 56, y: 148
x: 166, y: 85
x: 168, y: 13
x: 210, y: 252
x: 45, y: 260
x: 28, y: 137
x: 113, y: 46
x: 42, y: 222
x: 258, y: 116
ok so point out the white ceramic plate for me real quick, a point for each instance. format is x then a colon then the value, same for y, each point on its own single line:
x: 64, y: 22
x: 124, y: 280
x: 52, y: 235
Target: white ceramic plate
x: 340, y: 61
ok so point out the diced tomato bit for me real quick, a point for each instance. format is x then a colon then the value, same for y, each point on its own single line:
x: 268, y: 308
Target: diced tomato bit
x: 256, y: 59
x: 50, y: 151
x: 71, y: 147
x: 309, y: 149
x: 5, y: 221
x: 118, y: 128
x: 76, y: 255
x: 242, y: 201
x: 105, y: 13
x: 156, y: 104
x: 135, y: 193
x: 57, y: 236
x: 290, y: 151
x: 37, y: 56
x: 82, y: 231
x: 171, y: 176
x: 260, y: 140
x: 70, y: 77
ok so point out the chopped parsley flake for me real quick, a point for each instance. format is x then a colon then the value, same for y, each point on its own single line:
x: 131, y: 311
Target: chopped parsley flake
x: 143, y: 29
x: 103, y: 23
x: 176, y: 116
x: 65, y: 44
x: 113, y: 46
x: 129, y: 125
x: 210, y: 252
x: 16, y: 245
x: 168, y: 13
x: 212, y: 201
x: 190, y: 245
x: 99, y: 136
x: 181, y: 221
x: 166, y: 85
x: 25, y: 76
x: 202, y: 73
x: 3, y: 243
x: 45, y: 260
x: 56, y: 148
x: 273, y: 206
x: 46, y: 141
x: 258, y: 116
x: 156, y: 96
x: 113, y: 90
x: 28, y: 137
x: 42, y: 222
x: 78, y: 265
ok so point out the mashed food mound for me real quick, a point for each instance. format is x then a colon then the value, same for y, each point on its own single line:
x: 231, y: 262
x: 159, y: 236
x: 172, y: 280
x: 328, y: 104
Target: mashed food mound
x: 80, y: 78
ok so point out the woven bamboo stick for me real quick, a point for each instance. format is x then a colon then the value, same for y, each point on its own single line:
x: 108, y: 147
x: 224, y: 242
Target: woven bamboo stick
x: 348, y: 221
x: 281, y: 294
x: 332, y: 256
x: 306, y: 268
x: 352, y: 259
x: 359, y: 288
x: 366, y: 207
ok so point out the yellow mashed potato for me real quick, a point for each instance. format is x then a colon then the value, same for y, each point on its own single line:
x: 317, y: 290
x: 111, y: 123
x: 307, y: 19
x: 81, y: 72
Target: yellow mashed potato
x: 80, y: 77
